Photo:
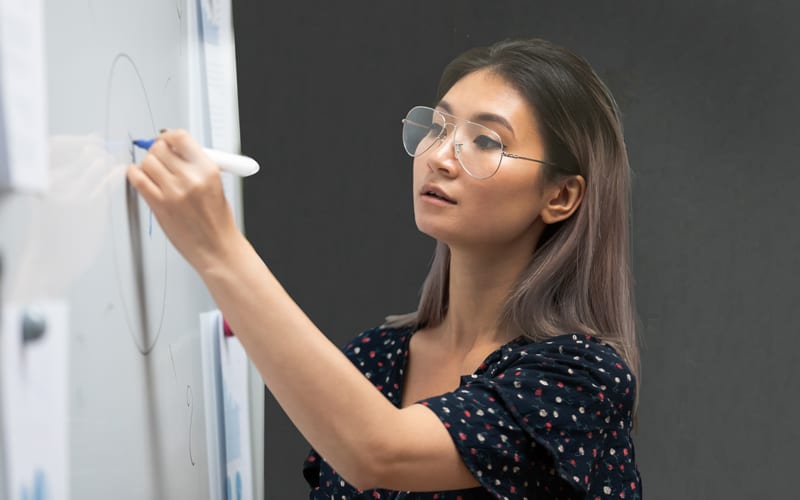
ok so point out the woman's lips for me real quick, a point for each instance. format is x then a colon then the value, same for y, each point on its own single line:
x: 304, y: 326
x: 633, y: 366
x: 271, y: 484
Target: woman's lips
x: 434, y: 193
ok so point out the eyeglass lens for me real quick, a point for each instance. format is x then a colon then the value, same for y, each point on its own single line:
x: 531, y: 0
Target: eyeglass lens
x: 479, y: 149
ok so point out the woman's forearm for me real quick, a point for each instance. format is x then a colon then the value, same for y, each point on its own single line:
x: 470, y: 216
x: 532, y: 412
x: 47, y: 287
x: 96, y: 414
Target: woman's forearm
x: 332, y: 404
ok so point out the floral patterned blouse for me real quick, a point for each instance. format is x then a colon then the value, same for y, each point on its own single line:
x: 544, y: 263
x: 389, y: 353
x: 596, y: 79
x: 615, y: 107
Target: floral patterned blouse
x: 537, y: 420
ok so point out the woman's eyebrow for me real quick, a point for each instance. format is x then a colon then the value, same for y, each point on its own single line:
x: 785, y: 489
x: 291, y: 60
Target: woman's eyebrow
x: 491, y: 117
x: 444, y: 106
x: 481, y: 117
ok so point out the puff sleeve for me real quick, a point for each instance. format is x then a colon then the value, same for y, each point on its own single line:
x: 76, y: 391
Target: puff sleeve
x: 552, y: 417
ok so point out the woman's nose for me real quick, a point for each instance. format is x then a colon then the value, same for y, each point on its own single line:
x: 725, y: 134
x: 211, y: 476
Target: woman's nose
x: 443, y: 157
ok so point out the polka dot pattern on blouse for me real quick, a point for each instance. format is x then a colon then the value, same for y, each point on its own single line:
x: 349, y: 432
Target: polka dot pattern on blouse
x: 549, y: 419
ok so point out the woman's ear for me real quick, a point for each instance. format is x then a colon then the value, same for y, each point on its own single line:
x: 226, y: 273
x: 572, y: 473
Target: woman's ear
x: 565, y: 197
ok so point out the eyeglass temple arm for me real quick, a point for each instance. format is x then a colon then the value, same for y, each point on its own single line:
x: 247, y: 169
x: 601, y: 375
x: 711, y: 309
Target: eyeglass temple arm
x: 518, y: 157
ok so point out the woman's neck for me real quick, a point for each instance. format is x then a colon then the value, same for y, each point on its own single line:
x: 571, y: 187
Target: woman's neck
x: 480, y: 283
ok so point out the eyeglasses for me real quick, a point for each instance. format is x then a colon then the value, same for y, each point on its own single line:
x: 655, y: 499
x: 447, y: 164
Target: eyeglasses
x: 478, y: 149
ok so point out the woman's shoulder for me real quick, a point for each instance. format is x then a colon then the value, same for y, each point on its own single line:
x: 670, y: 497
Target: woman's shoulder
x: 577, y: 360
x: 567, y: 349
x: 378, y: 340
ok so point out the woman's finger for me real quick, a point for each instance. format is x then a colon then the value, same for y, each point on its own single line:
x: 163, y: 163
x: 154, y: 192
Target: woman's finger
x: 157, y: 169
x: 182, y: 143
x: 170, y: 159
x: 145, y: 185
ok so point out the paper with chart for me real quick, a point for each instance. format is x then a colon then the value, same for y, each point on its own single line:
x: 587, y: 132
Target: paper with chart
x: 34, y: 402
x: 23, y: 97
x: 226, y: 390
x: 210, y: 332
x: 235, y: 402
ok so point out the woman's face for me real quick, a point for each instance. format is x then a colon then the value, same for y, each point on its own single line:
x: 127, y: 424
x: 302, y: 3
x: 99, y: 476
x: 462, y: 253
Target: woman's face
x: 484, y: 213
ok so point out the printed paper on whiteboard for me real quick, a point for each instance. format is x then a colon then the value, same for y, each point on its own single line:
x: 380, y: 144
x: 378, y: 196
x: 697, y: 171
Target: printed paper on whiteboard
x: 23, y: 97
x: 34, y: 403
x: 236, y: 408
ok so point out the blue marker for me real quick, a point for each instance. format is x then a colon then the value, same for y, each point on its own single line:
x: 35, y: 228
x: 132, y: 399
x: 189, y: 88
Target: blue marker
x: 229, y: 162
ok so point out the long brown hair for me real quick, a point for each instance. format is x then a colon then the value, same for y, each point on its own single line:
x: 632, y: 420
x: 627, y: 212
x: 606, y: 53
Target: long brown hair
x: 578, y: 279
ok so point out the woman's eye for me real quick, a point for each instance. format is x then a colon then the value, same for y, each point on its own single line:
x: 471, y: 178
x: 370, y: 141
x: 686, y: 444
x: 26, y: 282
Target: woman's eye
x: 485, y: 142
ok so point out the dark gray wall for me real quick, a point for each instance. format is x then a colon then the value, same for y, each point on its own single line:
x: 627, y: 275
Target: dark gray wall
x: 709, y: 93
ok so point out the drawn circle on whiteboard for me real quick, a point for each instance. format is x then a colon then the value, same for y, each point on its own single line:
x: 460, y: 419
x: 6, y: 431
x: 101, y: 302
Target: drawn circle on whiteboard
x: 140, y: 266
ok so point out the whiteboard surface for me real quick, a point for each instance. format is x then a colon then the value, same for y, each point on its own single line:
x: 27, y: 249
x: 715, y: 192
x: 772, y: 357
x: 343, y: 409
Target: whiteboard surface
x: 117, y: 70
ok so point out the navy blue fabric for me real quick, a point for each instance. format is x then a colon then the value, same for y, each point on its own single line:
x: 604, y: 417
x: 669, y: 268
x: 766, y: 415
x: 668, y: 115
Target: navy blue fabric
x: 548, y: 420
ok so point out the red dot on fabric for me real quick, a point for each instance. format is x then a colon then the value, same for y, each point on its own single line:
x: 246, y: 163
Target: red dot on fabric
x: 467, y: 413
x: 633, y: 485
x: 462, y: 436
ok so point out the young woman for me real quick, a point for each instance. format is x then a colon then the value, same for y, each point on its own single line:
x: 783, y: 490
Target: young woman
x: 516, y: 376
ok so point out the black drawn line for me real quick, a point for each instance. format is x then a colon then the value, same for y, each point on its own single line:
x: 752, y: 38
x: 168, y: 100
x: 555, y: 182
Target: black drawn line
x: 149, y: 342
x: 191, y: 414
x: 172, y: 359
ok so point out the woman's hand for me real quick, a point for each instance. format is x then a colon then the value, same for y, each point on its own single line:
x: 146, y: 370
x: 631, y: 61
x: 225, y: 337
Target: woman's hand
x: 184, y: 189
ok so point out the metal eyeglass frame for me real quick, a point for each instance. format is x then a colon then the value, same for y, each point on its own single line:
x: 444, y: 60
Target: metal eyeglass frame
x: 457, y: 147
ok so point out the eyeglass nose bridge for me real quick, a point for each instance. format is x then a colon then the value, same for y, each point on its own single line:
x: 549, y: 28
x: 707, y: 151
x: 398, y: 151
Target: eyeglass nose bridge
x: 444, y: 136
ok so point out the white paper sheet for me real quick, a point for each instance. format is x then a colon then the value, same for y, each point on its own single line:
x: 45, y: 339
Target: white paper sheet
x: 34, y: 408
x: 220, y: 73
x: 23, y: 96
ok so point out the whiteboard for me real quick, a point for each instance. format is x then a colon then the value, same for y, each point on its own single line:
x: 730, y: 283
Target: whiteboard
x: 117, y: 70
